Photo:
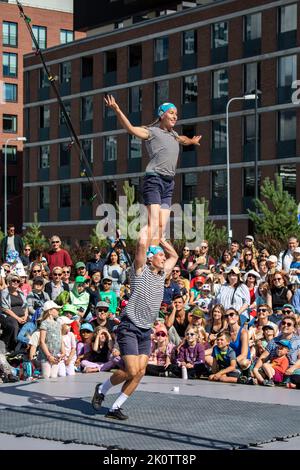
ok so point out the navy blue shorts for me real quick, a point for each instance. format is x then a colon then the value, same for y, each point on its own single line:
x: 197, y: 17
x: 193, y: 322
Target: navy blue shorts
x: 158, y: 190
x: 133, y: 340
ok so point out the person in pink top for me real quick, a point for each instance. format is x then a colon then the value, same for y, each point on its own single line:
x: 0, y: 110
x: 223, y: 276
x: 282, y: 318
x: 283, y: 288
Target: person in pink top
x: 57, y: 256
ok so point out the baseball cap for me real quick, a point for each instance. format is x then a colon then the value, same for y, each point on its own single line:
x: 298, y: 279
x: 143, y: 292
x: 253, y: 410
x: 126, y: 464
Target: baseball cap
x: 234, y: 269
x: 87, y: 326
x: 272, y: 259
x: 107, y: 278
x: 164, y: 107
x: 38, y: 280
x: 102, y: 304
x: 289, y: 306
x: 96, y: 248
x: 297, y: 250
x: 49, y: 305
x: 250, y: 237
x: 200, y: 279
x: 64, y: 320
x: 284, y: 342
x: 68, y: 308
x: 80, y: 280
x: 80, y: 264
x: 197, y: 312
x: 268, y: 327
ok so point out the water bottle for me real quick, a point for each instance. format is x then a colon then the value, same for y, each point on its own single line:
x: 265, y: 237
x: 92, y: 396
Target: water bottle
x: 184, y: 373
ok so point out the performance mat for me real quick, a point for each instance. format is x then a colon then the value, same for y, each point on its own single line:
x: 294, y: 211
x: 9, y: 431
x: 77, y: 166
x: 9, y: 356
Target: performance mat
x: 156, y: 421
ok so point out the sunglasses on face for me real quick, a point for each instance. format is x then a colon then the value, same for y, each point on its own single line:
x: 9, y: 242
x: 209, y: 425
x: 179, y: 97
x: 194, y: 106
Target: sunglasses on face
x: 248, y: 254
x: 232, y: 314
x: 185, y: 249
x: 16, y: 280
x: 262, y: 310
x: 277, y: 278
x: 7, y: 271
x: 175, y: 271
x: 57, y: 274
x: 55, y: 241
x: 286, y: 311
x: 284, y: 323
x: 102, y: 310
x: 190, y: 334
x: 27, y: 249
x: 108, y: 283
x: 66, y: 272
x: 162, y: 334
x: 251, y: 275
x: 36, y: 271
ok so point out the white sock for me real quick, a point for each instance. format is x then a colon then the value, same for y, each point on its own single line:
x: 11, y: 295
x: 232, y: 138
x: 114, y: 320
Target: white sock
x: 119, y: 401
x: 105, y: 387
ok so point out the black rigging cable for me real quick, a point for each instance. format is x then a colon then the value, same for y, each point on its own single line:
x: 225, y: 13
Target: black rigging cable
x: 86, y: 171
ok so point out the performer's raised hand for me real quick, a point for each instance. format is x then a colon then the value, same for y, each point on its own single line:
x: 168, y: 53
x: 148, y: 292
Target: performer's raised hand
x: 111, y: 102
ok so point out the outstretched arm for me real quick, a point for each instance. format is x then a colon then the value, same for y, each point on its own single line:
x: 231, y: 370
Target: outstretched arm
x: 139, y: 132
x: 184, y: 140
x: 141, y: 250
x: 171, y: 254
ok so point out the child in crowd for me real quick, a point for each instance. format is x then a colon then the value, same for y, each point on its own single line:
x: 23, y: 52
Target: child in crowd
x: 275, y: 370
x: 67, y: 365
x: 191, y: 354
x: 102, y: 345
x: 51, y: 344
x: 204, y: 299
x: 224, y: 367
x: 108, y: 295
x: 159, y: 363
x: 84, y: 347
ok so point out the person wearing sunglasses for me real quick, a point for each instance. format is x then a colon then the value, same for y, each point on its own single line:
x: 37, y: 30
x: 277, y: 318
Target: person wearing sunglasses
x: 57, y: 256
x: 11, y: 242
x: 234, y: 293
x: 14, y: 311
x: 256, y: 330
x: 25, y: 255
x: 80, y: 298
x: 239, y: 340
x: 279, y: 293
x: 102, y: 317
x: 159, y: 364
x: 191, y: 354
x: 56, y: 286
x: 108, y: 295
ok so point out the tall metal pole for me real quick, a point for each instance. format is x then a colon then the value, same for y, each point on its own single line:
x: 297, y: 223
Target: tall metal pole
x: 5, y: 186
x: 256, y: 142
x: 229, y: 234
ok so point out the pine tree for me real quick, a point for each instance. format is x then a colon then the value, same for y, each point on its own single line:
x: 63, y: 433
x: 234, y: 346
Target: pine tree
x: 276, y: 215
x: 34, y: 236
x: 2, y: 235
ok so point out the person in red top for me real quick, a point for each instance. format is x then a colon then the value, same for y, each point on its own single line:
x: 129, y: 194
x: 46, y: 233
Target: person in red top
x: 57, y: 256
x: 276, y: 369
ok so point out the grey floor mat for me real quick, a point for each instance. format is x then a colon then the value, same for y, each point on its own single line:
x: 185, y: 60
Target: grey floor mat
x: 157, y: 421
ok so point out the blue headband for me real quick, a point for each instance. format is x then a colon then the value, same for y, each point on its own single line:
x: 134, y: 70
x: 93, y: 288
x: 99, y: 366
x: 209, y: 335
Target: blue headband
x: 164, y: 107
x: 153, y: 250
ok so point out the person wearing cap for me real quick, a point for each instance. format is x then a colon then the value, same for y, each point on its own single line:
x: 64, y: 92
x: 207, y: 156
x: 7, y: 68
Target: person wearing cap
x: 294, y: 271
x: 80, y: 269
x: 159, y: 364
x: 249, y: 245
x: 162, y: 144
x: 134, y: 331
x: 84, y: 345
x: 79, y: 297
x: 96, y: 263
x: 234, y: 293
x: 195, y: 290
x: 51, y: 343
x: 115, y: 271
x: 56, y: 286
x: 101, y: 317
x: 57, y: 256
x: 37, y: 297
x: 14, y: 311
x: 275, y: 370
x: 108, y: 295
x: 286, y: 256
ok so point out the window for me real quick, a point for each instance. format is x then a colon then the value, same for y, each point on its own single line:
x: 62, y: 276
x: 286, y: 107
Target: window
x: 219, y: 35
x: 88, y: 148
x: 288, y: 18
x: 110, y: 64
x: 62, y: 119
x: 86, y: 194
x: 65, y: 72
x: 10, y: 92
x: 10, y: 64
x: 135, y: 99
x: 44, y: 197
x: 65, y: 195
x: 249, y: 129
x: 189, y: 131
x: 66, y: 36
x: 252, y: 27
x: 189, y: 42
x: 161, y: 49
x: 11, y: 153
x: 44, y: 81
x: 190, y: 89
x: 135, y: 55
x: 44, y: 116
x: 252, y: 77
x: 40, y: 34
x: 219, y: 134
x: 220, y: 83
x: 64, y: 154
x: 10, y: 123
x: 9, y: 34
x: 110, y: 192
x: 44, y: 156
x: 87, y: 108
x: 87, y: 67
x: 135, y: 147
x: 219, y: 184
x: 161, y: 92
x: 189, y: 186
x: 287, y: 70
x: 108, y: 112
x: 288, y: 176
x: 287, y: 126
x: 12, y: 185
x: 110, y: 148
x: 249, y: 182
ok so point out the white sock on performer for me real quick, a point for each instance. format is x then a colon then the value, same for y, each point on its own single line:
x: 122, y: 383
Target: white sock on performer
x: 105, y: 387
x: 119, y: 401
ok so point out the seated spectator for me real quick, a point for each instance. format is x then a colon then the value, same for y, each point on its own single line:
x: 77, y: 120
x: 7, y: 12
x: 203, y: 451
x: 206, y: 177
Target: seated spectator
x: 274, y: 371
x: 216, y: 323
x: 80, y: 270
x: 24, y: 285
x: 294, y: 271
x: 96, y: 263
x: 248, y: 262
x: 191, y: 354
x: 195, y: 291
x: 279, y: 293
x: 261, y: 293
x: 234, y: 293
x: 79, y: 297
x: 235, y: 251
x: 286, y: 256
x: 263, y: 269
x: 160, y: 360
x: 55, y: 287
x: 171, y: 289
x: 239, y: 340
x: 114, y: 271
x: 66, y: 276
x: 108, y: 295
x: 177, y: 321
x: 227, y: 259
x: 36, y: 269
x: 14, y: 311
x: 249, y: 245
x: 184, y: 261
x: 204, y: 299
x: 184, y: 290
x: 25, y: 256
x: 84, y: 346
x: 224, y: 366
x: 102, y: 345
x: 256, y: 330
x: 102, y: 317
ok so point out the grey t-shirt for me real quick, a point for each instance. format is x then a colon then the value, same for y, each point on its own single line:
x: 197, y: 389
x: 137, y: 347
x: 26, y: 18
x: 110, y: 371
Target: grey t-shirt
x: 163, y: 150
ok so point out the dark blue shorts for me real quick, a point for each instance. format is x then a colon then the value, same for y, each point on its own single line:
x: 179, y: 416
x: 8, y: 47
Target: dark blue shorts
x: 133, y: 340
x: 158, y: 190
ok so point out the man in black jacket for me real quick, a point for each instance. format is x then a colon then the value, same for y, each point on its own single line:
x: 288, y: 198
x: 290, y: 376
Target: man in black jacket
x: 11, y: 242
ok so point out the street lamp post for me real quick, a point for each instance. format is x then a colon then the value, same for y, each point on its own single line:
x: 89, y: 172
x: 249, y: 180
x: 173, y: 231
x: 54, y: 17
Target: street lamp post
x: 245, y: 97
x: 13, y: 139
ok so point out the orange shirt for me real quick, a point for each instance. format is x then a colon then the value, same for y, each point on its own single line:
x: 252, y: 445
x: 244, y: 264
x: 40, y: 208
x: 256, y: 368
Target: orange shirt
x: 281, y: 364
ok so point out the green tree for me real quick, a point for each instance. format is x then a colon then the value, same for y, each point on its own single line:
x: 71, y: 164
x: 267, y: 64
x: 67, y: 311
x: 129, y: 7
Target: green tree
x: 34, y: 236
x: 276, y: 214
x: 96, y: 240
x: 2, y: 235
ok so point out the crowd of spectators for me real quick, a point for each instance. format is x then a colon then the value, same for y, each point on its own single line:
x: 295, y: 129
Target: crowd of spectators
x: 232, y: 319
